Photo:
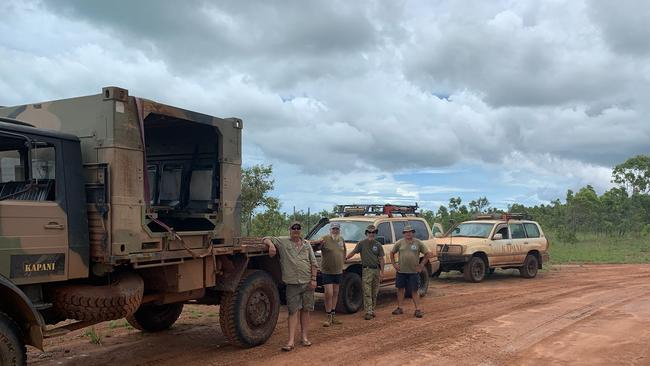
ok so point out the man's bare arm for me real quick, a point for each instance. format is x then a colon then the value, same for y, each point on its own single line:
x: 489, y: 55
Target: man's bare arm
x: 270, y: 246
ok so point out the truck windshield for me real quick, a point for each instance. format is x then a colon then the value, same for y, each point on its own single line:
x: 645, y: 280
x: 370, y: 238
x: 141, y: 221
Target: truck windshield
x: 473, y: 230
x: 351, y: 231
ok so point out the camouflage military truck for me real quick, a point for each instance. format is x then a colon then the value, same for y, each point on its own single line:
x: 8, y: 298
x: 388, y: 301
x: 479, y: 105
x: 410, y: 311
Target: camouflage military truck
x: 389, y: 221
x: 114, y: 206
x: 479, y: 246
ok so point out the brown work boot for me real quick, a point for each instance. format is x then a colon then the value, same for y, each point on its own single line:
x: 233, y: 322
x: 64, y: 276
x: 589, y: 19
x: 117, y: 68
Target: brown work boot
x: 334, y: 320
x: 398, y: 311
x: 328, y: 321
x: 368, y: 316
x: 418, y: 313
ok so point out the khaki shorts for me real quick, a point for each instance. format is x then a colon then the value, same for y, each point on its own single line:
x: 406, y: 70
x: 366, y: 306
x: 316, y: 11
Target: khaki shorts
x: 300, y: 297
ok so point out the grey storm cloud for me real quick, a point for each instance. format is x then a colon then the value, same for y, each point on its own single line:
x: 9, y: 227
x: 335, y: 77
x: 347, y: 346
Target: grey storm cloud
x: 277, y: 42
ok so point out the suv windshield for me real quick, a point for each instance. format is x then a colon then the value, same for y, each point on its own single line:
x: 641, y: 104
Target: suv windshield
x: 473, y: 230
x: 351, y: 231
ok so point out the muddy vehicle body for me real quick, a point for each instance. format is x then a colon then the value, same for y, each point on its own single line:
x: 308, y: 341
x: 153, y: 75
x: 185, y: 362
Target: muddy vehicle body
x: 479, y: 246
x: 114, y: 206
x: 389, y: 221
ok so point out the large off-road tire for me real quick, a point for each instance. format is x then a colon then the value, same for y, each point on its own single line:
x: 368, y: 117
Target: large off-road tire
x: 529, y: 269
x: 474, y: 269
x: 350, y: 293
x: 155, y: 318
x: 12, y: 348
x: 119, y: 299
x: 248, y: 315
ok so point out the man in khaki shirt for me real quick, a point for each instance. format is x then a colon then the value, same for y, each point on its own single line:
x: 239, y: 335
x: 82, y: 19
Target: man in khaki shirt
x: 299, y: 269
x: 332, y: 249
x: 408, y: 268
x: 372, y: 263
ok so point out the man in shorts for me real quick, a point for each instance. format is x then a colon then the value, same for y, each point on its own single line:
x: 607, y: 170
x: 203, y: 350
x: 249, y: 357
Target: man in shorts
x: 332, y: 249
x: 299, y: 269
x: 408, y: 268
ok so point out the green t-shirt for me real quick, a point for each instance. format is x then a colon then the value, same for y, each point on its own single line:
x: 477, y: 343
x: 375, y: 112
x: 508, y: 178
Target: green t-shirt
x: 333, y: 255
x: 295, y: 262
x: 371, y: 252
x: 409, y: 254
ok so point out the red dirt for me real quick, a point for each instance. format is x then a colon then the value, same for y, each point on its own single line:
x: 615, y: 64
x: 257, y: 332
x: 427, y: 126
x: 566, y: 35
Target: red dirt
x: 578, y: 315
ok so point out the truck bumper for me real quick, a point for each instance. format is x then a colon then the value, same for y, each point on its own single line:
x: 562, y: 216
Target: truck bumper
x: 452, y: 259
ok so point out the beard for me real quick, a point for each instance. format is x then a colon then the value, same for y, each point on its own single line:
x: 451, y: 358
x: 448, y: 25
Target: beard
x: 336, y: 237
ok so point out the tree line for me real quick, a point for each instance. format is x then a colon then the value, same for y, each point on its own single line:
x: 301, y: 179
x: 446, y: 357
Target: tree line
x: 623, y: 210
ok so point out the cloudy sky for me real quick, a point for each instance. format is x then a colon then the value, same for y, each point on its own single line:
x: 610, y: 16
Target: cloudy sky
x: 367, y: 101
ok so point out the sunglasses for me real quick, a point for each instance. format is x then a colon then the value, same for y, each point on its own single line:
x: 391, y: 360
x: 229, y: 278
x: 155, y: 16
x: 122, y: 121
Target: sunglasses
x: 296, y: 228
x: 371, y: 232
x: 336, y: 228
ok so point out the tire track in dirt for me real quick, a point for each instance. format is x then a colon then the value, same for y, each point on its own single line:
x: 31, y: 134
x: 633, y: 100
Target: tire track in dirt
x: 463, y: 324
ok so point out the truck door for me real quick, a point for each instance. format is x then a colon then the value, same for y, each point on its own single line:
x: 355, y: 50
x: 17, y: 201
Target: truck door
x: 33, y: 223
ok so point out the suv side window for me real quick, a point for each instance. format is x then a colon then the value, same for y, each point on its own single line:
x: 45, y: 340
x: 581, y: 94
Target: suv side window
x: 384, y: 230
x: 532, y: 230
x: 398, y: 226
x: 517, y: 231
x: 421, y: 231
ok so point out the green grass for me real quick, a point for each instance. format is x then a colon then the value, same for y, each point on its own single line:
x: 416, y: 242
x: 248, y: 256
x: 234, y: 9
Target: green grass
x: 595, y: 249
x: 94, y: 337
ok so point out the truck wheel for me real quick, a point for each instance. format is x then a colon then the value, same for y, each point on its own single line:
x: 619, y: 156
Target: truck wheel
x: 474, y: 270
x: 12, y: 348
x: 99, y: 303
x: 154, y: 318
x: 248, y: 315
x: 529, y: 269
x: 350, y: 293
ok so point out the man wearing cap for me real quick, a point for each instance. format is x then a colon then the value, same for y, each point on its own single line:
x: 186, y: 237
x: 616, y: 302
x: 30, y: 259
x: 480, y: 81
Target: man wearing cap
x: 372, y: 261
x: 332, y: 249
x: 408, y: 268
x: 299, y: 268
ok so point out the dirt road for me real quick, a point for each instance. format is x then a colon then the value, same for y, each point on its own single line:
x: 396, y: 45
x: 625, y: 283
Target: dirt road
x: 578, y: 315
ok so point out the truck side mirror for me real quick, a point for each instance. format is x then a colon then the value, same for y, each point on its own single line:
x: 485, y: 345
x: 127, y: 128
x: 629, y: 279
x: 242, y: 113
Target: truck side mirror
x: 437, y: 235
x: 498, y: 236
x: 381, y: 239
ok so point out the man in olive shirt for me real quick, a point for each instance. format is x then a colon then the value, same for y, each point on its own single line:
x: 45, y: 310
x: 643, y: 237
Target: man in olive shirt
x: 408, y: 268
x: 299, y: 268
x: 372, y: 261
x: 332, y: 249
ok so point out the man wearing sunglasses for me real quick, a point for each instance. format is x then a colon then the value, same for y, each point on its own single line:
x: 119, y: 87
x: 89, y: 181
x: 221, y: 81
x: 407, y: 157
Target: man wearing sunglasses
x: 372, y: 261
x: 299, y: 269
x: 332, y: 249
x: 408, y: 268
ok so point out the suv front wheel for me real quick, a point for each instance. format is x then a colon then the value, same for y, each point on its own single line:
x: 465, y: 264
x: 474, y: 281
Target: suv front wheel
x: 350, y: 293
x: 474, y: 269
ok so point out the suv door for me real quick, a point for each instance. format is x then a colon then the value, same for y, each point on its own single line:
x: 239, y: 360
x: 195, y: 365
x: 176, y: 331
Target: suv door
x: 519, y: 242
x: 385, y: 229
x: 501, y: 250
x: 535, y: 240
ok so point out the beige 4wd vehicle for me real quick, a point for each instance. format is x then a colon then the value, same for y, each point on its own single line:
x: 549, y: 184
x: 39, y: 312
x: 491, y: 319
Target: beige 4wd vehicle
x: 480, y: 246
x: 389, y: 221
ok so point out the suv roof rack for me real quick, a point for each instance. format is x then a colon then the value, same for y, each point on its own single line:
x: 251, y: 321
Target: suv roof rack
x: 502, y: 216
x: 376, y: 210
